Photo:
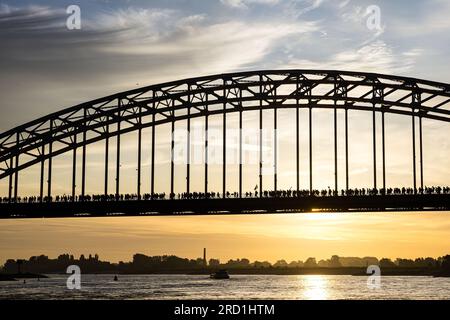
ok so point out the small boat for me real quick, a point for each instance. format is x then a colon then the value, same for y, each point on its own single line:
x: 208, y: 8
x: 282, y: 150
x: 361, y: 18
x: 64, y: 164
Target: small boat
x: 221, y: 274
x: 115, y: 278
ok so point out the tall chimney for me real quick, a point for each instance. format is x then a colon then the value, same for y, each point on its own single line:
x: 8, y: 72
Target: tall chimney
x: 204, y: 257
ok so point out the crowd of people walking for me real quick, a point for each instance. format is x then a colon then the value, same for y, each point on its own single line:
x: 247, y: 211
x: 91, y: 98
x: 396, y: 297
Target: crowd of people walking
x: 217, y: 195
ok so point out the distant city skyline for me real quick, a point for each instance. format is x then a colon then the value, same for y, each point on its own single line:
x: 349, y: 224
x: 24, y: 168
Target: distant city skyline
x: 332, y: 261
x: 261, y: 237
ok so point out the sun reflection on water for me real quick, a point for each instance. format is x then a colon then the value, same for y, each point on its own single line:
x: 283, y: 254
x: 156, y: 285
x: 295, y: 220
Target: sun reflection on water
x: 315, y: 287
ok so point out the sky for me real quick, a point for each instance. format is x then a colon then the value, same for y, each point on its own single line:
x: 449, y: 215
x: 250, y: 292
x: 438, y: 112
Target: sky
x: 122, y: 45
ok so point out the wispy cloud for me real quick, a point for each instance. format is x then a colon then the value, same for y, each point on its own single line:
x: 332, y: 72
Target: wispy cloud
x: 143, y: 45
x: 244, y: 4
x: 374, y: 57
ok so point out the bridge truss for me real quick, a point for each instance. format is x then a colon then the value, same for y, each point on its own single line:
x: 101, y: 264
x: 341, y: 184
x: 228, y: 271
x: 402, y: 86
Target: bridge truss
x: 39, y: 141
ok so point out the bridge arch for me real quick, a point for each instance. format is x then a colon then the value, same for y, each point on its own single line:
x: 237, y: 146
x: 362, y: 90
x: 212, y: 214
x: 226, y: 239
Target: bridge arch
x: 114, y: 115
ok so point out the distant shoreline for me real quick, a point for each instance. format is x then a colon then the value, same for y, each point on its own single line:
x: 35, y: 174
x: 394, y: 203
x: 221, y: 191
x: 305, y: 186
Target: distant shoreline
x: 169, y: 264
x: 353, y: 271
x: 16, y: 276
x: 346, y: 272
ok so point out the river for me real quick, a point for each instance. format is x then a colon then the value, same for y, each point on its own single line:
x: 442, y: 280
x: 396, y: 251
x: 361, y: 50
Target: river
x: 238, y: 287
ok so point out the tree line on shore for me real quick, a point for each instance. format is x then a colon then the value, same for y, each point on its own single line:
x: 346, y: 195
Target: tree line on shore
x: 147, y: 264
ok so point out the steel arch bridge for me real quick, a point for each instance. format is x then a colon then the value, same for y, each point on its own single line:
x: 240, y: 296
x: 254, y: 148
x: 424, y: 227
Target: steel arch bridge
x: 71, y: 129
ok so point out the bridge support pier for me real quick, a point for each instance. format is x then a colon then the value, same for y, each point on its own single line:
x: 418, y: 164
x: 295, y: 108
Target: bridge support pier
x: 310, y: 150
x: 421, y: 152
x: 335, y: 146
x: 139, y: 157
x: 118, y: 161
x: 206, y: 150
x: 49, y: 176
x: 275, y: 146
x: 414, y: 150
x: 188, y: 152
x: 41, y: 186
x: 224, y: 144
x: 16, y: 174
x: 172, y: 155
x: 383, y: 150
x: 346, y: 149
x: 74, y: 168
x: 240, y: 153
x: 83, y: 161
x: 374, y: 142
x: 106, y: 159
x: 297, y: 134
x: 152, y: 182
x: 10, y: 186
x: 260, y: 137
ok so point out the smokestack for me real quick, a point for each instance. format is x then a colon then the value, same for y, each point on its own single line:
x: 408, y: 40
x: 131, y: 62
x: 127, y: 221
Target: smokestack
x: 204, y: 257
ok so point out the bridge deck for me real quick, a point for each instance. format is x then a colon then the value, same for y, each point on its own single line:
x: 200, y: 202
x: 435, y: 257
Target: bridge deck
x: 419, y: 202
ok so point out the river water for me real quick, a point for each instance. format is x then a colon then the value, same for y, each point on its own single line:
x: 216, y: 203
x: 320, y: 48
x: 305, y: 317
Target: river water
x: 238, y: 287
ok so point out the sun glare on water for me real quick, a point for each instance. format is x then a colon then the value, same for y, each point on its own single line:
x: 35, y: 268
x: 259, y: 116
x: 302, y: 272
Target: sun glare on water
x: 314, y: 287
